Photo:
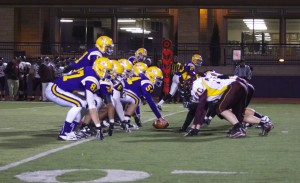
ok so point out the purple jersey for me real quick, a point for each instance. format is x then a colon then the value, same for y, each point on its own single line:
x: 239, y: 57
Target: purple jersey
x: 80, y: 80
x: 187, y: 67
x: 141, y: 86
x: 105, y: 88
x: 87, y: 59
x: 133, y: 60
x: 117, y: 85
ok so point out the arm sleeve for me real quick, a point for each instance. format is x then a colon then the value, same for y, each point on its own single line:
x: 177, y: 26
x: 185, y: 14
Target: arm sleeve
x: 151, y: 103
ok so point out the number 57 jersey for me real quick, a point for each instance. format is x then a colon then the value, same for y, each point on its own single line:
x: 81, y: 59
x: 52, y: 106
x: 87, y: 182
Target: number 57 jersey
x: 135, y: 87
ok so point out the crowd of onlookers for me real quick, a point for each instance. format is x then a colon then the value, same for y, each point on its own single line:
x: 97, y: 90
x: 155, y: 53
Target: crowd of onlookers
x: 25, y: 79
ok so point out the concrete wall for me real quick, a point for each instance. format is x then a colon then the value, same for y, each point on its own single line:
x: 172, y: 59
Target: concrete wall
x: 7, y: 24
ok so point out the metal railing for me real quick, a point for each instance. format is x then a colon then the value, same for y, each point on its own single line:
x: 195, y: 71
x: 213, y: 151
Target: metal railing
x: 254, y: 54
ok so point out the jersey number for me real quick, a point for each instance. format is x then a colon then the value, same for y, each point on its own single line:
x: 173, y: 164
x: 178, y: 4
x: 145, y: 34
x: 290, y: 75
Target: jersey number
x: 77, y: 74
x: 130, y: 80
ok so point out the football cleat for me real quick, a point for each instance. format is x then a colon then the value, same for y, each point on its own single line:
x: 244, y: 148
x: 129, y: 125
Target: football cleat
x: 192, y: 132
x: 99, y: 134
x: 138, y: 121
x: 237, y: 133
x: 67, y: 136
x: 87, y: 131
x: 266, y: 128
x: 125, y: 125
x: 159, y: 107
x: 80, y: 135
x: 182, y: 129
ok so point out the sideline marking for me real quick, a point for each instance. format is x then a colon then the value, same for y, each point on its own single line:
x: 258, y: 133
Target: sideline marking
x: 203, y: 172
x: 11, y: 165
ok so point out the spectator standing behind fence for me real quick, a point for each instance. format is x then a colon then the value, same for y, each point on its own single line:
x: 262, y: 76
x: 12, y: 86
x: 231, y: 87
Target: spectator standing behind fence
x: 244, y: 71
x: 12, y: 75
x: 24, y: 68
x: 36, y: 79
x: 47, y: 74
x: 2, y: 78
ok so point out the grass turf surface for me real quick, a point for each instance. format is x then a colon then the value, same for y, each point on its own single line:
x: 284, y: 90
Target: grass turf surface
x: 30, y: 128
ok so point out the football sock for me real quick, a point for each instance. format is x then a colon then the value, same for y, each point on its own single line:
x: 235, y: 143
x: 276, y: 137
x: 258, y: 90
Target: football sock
x: 256, y: 114
x: 66, y: 128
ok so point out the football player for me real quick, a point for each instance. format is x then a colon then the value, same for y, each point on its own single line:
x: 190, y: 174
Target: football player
x: 140, y: 56
x: 248, y: 112
x: 142, y: 85
x: 61, y: 91
x: 189, y: 66
x: 104, y: 46
x: 231, y: 95
x: 139, y: 68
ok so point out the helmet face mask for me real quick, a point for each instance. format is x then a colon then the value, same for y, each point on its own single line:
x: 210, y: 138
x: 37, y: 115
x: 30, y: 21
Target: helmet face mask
x: 197, y: 60
x: 109, y: 49
x: 141, y: 54
x: 155, y: 75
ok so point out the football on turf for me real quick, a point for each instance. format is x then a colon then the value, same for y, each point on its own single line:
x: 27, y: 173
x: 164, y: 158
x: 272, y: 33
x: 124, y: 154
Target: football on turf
x: 160, y: 124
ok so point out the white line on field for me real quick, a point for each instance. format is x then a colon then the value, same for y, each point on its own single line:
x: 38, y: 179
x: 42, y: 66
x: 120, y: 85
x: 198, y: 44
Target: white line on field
x: 203, y: 172
x: 32, y: 158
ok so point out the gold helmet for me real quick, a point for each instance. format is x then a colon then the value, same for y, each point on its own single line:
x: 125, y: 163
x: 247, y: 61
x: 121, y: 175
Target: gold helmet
x: 118, y: 70
x: 140, y: 54
x: 127, y: 67
x: 105, y: 44
x: 197, y: 59
x: 155, y: 75
x: 103, y: 67
x: 139, y: 67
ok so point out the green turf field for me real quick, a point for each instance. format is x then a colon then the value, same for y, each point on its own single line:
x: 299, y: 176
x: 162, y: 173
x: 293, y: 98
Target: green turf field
x: 29, y: 151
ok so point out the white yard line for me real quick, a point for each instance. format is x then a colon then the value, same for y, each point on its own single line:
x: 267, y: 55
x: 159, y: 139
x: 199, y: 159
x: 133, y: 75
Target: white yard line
x: 204, y: 172
x: 32, y: 158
